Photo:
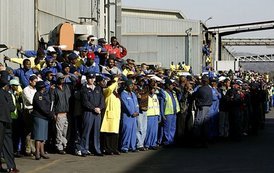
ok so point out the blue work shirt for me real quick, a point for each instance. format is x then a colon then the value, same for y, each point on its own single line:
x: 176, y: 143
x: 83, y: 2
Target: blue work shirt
x: 214, y: 108
x: 96, y: 51
x: 23, y: 76
x: 52, y: 69
x: 129, y: 103
x: 93, y: 69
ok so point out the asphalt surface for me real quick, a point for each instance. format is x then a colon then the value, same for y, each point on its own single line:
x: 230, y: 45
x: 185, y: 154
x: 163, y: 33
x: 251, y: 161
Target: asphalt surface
x: 253, y: 154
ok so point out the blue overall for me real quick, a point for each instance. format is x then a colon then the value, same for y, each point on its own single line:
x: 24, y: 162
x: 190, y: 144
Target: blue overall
x: 129, y: 124
x: 214, y: 113
x: 161, y: 117
x: 152, y: 131
x: 170, y: 123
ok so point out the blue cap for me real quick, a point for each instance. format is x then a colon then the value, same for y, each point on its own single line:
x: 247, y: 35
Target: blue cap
x: 49, y: 58
x: 90, y: 75
x: 72, y: 56
x: 83, y: 49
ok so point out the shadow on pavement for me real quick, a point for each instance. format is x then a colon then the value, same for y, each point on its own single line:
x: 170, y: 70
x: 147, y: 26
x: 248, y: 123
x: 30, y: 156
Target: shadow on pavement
x: 252, y: 154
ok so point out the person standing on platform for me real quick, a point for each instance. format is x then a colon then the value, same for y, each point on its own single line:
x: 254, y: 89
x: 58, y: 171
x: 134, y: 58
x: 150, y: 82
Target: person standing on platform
x: 116, y: 49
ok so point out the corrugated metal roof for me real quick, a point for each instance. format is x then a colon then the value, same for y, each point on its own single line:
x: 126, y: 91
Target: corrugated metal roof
x: 164, y: 13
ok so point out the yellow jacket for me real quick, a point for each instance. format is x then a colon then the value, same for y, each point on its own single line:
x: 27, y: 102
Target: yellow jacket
x: 153, y: 106
x: 111, y: 120
x: 172, y: 67
x: 33, y: 66
x: 169, y: 104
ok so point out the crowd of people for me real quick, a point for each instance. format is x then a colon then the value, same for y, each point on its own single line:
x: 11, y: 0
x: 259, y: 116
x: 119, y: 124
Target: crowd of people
x: 94, y: 101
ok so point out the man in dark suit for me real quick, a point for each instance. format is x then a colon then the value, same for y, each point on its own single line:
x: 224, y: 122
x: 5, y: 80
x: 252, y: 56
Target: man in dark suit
x: 7, y: 107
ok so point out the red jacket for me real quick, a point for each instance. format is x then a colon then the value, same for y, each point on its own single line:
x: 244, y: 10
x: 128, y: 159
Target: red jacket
x: 118, y: 51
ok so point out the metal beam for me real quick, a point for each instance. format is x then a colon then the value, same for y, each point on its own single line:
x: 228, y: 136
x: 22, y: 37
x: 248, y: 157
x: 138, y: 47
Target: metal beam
x: 245, y: 27
x: 248, y: 41
x: 242, y: 24
x: 256, y: 58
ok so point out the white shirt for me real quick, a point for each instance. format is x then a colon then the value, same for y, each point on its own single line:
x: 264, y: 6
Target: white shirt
x: 28, y: 94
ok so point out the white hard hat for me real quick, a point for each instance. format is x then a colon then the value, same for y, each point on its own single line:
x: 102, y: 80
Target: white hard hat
x: 51, y: 49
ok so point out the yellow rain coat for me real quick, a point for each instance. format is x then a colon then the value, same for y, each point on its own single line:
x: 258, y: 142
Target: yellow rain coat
x: 111, y: 120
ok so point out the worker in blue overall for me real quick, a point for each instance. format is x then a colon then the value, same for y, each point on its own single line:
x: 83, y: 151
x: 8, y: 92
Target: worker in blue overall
x: 161, y: 98
x: 153, y: 114
x: 170, y: 110
x: 130, y: 110
x: 214, y: 110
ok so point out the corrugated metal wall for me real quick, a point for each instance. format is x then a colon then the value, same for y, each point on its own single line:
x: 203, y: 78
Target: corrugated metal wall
x: 53, y: 12
x: 133, y: 25
x: 161, y: 40
x: 17, y: 19
x: 17, y: 24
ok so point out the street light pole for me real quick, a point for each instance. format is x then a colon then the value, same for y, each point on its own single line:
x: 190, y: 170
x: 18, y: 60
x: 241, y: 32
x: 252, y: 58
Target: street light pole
x: 208, y: 20
x: 188, y: 47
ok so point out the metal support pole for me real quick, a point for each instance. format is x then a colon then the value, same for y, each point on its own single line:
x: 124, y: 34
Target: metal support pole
x: 188, y: 46
x: 36, y: 35
x: 108, y: 20
x: 217, y: 51
x: 101, y: 32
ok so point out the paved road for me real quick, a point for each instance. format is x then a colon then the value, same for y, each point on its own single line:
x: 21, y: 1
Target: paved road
x: 253, y: 154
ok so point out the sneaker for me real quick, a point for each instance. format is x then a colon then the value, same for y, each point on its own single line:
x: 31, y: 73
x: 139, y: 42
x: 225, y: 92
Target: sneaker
x: 13, y: 170
x: 245, y: 134
x: 141, y: 149
x: 116, y: 152
x: 153, y: 148
x: 44, y: 156
x: 78, y: 153
x: 135, y: 151
x: 89, y: 153
x: 99, y: 154
x: 124, y: 151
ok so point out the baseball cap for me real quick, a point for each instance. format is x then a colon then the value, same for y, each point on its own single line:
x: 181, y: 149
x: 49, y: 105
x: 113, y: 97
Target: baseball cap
x: 14, y: 82
x: 102, y: 40
x: 60, y: 75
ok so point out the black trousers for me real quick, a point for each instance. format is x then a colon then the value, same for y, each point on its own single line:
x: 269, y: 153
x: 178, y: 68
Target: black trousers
x: 6, y: 145
x: 110, y: 142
